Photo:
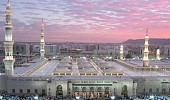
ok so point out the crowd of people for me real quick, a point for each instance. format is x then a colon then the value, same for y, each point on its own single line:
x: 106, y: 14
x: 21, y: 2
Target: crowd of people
x: 153, y: 97
x: 5, y: 96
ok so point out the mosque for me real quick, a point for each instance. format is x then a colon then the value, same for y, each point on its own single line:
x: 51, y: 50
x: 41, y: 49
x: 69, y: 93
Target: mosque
x: 82, y: 76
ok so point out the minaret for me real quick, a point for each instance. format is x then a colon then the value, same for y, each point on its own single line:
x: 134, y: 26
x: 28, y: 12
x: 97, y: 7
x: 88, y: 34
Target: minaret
x: 121, y: 52
x: 146, y: 51
x: 158, y: 54
x: 8, y: 44
x: 42, y: 42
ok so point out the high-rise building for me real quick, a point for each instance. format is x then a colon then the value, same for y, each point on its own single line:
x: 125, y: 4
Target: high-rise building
x: 52, y: 49
x: 8, y: 44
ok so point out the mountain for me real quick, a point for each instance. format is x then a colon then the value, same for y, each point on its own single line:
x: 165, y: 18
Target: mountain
x: 151, y: 41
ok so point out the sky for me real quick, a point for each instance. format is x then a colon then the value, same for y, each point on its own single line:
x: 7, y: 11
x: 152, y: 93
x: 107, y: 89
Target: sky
x: 104, y: 21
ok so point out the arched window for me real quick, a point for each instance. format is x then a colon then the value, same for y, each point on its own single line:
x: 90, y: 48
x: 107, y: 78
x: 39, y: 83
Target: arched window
x: 13, y: 90
x: 36, y: 90
x: 163, y: 90
x: 59, y: 92
x: 124, y: 91
x: 106, y: 93
x: 43, y: 91
x: 20, y: 90
x: 150, y: 90
x: 28, y: 90
x: 59, y: 87
x: 91, y: 94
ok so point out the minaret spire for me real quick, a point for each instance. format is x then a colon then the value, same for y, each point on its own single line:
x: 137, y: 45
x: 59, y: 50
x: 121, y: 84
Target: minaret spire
x: 8, y: 3
x: 146, y: 51
x: 147, y: 32
x: 8, y: 44
x: 42, y: 42
x: 158, y: 54
x: 121, y: 52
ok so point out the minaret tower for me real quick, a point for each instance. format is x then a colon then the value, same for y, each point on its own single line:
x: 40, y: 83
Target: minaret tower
x: 146, y: 51
x: 8, y: 44
x: 158, y: 54
x: 121, y: 52
x: 42, y: 42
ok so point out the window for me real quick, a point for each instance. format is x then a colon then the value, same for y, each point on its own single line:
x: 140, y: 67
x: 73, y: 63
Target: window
x: 20, y: 90
x: 43, y: 91
x: 150, y: 90
x: 157, y: 90
x: 163, y: 90
x: 28, y: 90
x: 13, y: 90
x: 36, y: 90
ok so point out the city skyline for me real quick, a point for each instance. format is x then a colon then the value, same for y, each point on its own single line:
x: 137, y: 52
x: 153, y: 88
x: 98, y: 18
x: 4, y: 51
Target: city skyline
x: 84, y: 21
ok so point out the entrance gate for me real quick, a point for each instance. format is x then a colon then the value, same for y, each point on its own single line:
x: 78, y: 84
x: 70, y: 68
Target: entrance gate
x: 99, y: 92
x: 84, y: 94
x: 59, y: 92
x: 106, y: 93
x: 91, y: 93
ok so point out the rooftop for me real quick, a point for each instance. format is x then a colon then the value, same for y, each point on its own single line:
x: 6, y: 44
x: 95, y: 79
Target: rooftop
x: 83, y: 66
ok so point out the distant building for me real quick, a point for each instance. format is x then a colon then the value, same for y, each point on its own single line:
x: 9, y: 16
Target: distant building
x: 90, y: 47
x: 36, y: 49
x: 23, y: 49
x: 167, y: 51
x: 52, y: 50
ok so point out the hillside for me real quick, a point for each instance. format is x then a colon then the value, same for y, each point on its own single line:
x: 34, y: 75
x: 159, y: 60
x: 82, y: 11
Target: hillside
x: 151, y: 41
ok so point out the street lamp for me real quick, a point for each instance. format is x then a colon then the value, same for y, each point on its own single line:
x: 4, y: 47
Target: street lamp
x: 36, y: 97
x: 77, y: 97
x: 151, y: 97
x: 112, y: 97
x: 1, y: 97
x: 156, y: 67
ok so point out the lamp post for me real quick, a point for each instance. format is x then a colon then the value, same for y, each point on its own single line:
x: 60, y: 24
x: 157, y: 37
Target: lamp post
x: 151, y: 97
x: 77, y: 97
x: 112, y: 97
x: 156, y: 68
x: 1, y: 97
x: 36, y: 97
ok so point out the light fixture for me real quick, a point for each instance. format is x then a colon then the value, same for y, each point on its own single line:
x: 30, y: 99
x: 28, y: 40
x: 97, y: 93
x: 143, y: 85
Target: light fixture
x: 112, y: 97
x: 77, y: 97
x: 36, y: 97
x: 151, y: 96
x: 1, y: 97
